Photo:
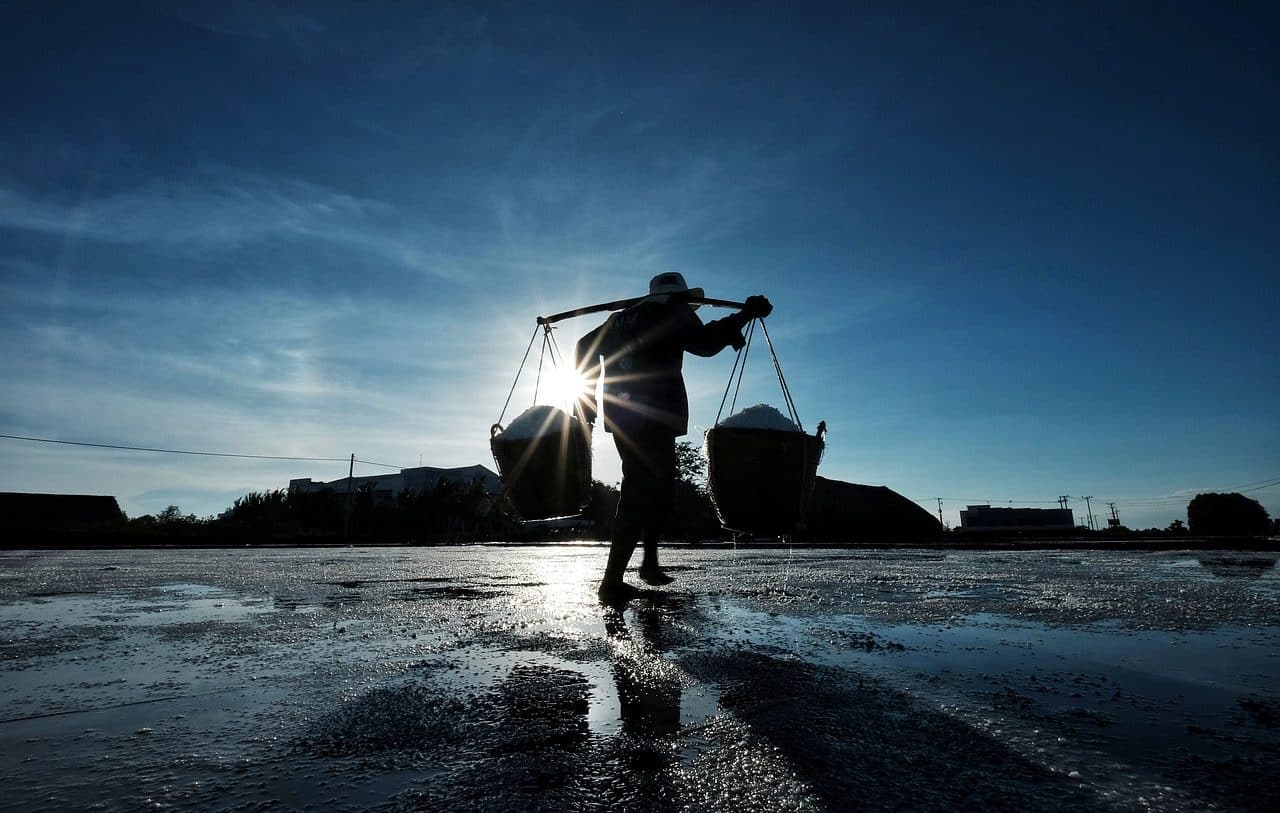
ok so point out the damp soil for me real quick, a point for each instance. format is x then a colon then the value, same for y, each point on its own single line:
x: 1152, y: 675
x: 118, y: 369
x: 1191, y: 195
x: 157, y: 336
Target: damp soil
x: 490, y: 678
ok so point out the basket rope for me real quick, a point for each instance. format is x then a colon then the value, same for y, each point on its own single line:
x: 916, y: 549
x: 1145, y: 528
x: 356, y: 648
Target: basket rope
x: 736, y: 359
x: 519, y: 370
x: 550, y: 348
x: 740, y: 368
x: 786, y: 391
x: 537, y: 382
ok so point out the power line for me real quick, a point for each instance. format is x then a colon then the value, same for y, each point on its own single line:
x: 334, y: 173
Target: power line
x: 384, y: 465
x: 1259, y: 488
x: 1267, y: 483
x: 1258, y: 485
x: 190, y: 452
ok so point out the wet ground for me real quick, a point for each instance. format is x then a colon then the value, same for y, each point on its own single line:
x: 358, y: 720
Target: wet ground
x: 485, y: 678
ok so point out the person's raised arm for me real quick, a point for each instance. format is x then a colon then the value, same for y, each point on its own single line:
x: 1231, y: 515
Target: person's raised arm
x: 712, y: 337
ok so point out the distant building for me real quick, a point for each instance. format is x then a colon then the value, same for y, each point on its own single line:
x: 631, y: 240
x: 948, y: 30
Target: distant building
x: 985, y: 518
x: 59, y: 512
x: 387, y: 487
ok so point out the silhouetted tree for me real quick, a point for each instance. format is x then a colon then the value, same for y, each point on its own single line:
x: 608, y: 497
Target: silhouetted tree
x: 602, y: 505
x: 1231, y: 514
x: 173, y: 515
x: 448, y: 509
x: 169, y: 525
x: 692, y: 513
x: 260, y: 511
x: 691, y: 465
x: 317, y: 511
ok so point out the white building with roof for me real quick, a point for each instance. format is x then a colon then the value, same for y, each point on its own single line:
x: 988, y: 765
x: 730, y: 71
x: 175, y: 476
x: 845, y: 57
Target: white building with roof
x: 387, y: 487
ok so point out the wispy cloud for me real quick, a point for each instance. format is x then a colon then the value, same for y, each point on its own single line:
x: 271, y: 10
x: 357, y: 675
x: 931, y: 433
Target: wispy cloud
x: 225, y: 211
x: 249, y: 19
x: 215, y: 212
x: 228, y: 210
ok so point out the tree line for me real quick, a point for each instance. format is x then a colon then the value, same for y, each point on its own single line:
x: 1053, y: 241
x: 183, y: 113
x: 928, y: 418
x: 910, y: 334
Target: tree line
x: 453, y: 511
x: 450, y: 511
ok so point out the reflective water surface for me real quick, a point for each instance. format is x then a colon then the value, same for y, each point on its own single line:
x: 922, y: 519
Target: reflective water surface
x: 489, y: 677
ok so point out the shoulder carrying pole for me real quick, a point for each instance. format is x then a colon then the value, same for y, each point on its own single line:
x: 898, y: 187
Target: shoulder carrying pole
x: 619, y: 304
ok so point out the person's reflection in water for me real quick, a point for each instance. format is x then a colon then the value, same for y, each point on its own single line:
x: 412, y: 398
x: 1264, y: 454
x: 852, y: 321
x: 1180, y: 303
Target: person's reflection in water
x: 648, y: 684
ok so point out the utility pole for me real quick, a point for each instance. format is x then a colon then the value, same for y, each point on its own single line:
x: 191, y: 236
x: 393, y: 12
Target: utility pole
x: 1115, y: 518
x: 1064, y: 504
x: 1089, y: 507
x: 346, y: 511
x: 940, y: 522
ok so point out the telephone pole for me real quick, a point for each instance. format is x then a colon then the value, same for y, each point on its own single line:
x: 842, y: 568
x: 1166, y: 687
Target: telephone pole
x: 940, y: 522
x: 346, y: 508
x: 1115, y: 517
x: 1089, y: 508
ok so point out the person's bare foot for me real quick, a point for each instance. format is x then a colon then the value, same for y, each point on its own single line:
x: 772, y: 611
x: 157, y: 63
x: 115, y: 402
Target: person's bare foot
x: 655, y: 576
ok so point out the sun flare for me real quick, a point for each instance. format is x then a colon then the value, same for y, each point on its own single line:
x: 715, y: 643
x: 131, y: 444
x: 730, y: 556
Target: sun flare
x: 564, y: 386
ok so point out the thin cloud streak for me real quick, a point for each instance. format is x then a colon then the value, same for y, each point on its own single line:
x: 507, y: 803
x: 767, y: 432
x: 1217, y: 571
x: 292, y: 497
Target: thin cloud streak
x: 255, y: 20
x: 233, y: 211
x: 209, y: 213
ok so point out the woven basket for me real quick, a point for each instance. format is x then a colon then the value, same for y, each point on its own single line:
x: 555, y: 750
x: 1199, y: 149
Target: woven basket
x: 761, y: 479
x: 547, y: 476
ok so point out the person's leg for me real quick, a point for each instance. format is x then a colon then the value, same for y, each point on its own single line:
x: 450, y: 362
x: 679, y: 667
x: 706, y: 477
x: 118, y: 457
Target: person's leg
x: 632, y: 503
x: 661, y: 451
x: 650, y: 559
x: 650, y: 571
x: 621, y: 546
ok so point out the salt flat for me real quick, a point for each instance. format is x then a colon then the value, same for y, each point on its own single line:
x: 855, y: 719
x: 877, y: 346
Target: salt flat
x: 489, y: 677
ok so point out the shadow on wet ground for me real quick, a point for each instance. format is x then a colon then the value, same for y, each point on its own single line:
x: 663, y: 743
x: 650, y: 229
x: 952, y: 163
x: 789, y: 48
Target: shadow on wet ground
x: 490, y: 679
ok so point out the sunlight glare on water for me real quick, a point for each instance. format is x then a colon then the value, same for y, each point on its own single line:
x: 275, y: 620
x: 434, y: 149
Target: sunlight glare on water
x: 490, y: 677
x: 564, y: 576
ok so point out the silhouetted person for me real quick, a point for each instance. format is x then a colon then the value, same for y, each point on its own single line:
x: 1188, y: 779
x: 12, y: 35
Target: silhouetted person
x: 639, y: 354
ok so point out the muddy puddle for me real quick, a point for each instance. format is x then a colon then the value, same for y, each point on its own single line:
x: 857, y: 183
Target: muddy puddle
x: 490, y: 678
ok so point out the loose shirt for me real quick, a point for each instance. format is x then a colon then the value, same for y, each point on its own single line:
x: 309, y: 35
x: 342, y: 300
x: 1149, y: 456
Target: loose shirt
x: 638, y: 353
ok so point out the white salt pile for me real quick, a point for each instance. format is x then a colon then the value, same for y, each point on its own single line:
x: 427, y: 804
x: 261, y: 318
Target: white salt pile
x: 760, y: 416
x: 536, y: 421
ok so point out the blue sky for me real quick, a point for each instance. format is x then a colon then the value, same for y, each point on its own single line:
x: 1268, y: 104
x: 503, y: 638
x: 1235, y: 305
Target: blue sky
x: 1015, y: 250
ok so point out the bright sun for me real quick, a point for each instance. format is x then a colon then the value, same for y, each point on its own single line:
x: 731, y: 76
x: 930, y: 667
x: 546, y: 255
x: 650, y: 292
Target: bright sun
x: 564, y: 386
